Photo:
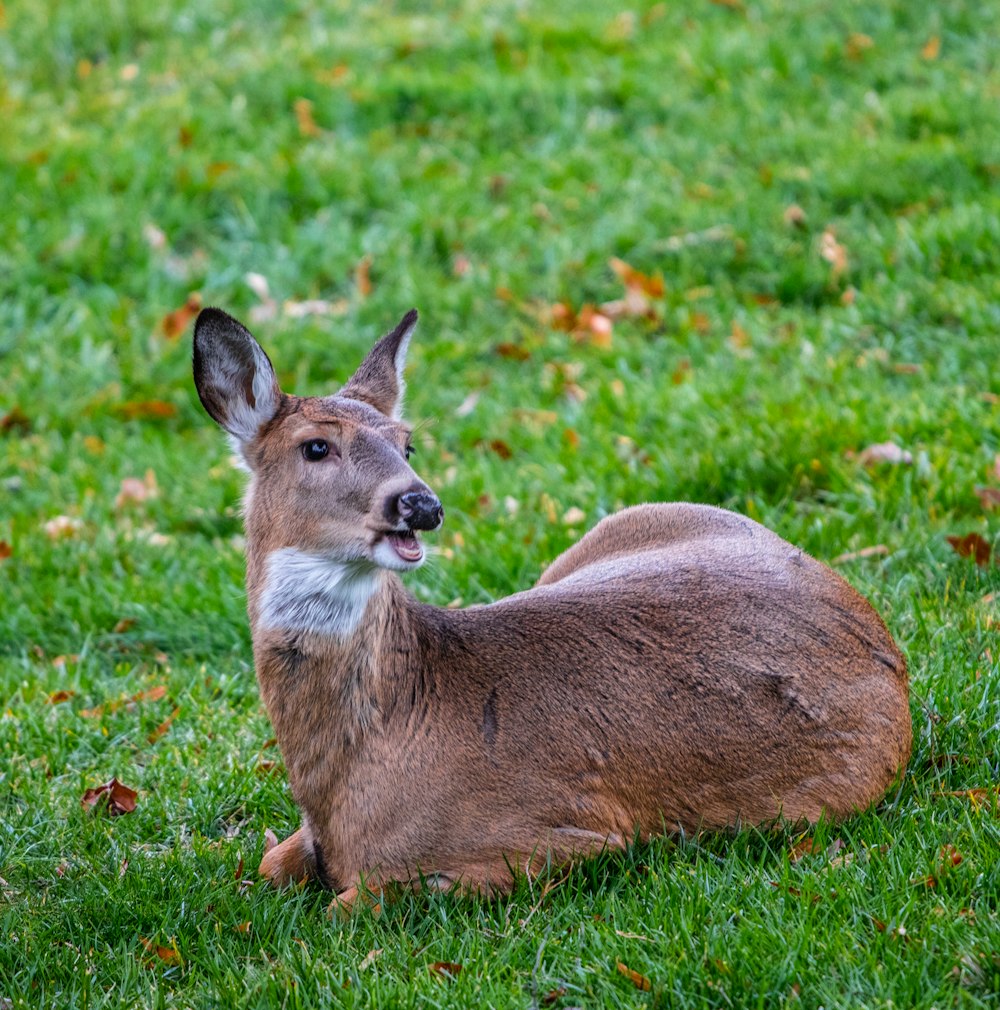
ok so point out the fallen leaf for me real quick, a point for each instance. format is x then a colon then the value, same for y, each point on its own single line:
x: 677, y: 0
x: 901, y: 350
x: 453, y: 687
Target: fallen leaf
x: 514, y: 351
x: 62, y: 527
x: 168, y: 955
x: 501, y: 448
x: 639, y: 981
x: 972, y: 545
x: 931, y: 48
x: 989, y: 497
x: 950, y: 856
x: 6, y: 550
x: 857, y: 45
x: 147, y: 410
x: 163, y: 727
x: 553, y: 995
x: 173, y: 324
x: 58, y: 697
x: 834, y: 253
x: 884, y: 452
x: 794, y: 216
x: 447, y: 970
x: 15, y: 420
x: 803, y: 847
x: 362, y: 277
x: 116, y: 798
x: 369, y: 959
x: 682, y: 372
x: 243, y: 927
x: 304, y: 117
x: 739, y: 339
x: 151, y: 694
x: 574, y: 516
x: 134, y: 489
x: 125, y: 624
x: 875, y: 551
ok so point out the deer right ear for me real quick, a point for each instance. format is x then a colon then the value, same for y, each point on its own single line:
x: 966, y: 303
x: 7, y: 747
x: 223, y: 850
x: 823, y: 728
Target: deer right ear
x: 234, y: 378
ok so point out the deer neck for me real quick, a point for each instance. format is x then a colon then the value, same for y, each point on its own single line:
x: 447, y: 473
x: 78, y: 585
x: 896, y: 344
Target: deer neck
x: 333, y: 643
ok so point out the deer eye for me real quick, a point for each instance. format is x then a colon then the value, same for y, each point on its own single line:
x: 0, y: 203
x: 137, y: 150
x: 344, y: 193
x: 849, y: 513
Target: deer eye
x: 315, y: 449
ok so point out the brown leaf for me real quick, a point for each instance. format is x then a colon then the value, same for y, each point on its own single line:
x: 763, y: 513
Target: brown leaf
x: 639, y: 981
x: 803, y: 847
x: 362, y: 277
x: 884, y: 452
x: 15, y: 420
x: 304, y: 117
x: 147, y: 410
x: 446, y: 970
x: 117, y: 798
x: 6, y: 550
x: 369, y: 959
x: 931, y: 48
x: 834, y: 253
x: 972, y: 545
x: 857, y: 45
x: 134, y: 489
x: 682, y: 372
x: 553, y: 995
x: 950, y: 856
x: 243, y: 927
x: 125, y: 624
x: 173, y: 324
x: 794, y: 216
x: 989, y: 497
x: 151, y: 694
x: 501, y: 448
x: 58, y: 697
x: 515, y: 351
x: 168, y: 955
x: 632, y: 278
x: 164, y: 726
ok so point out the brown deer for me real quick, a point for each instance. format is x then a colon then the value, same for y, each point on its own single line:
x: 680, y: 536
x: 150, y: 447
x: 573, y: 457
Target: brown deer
x: 680, y: 668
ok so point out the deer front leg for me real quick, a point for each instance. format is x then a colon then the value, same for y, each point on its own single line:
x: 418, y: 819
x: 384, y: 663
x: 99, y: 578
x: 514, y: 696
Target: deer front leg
x: 290, y: 861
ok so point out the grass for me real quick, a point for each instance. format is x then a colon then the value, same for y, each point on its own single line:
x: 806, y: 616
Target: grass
x: 486, y: 161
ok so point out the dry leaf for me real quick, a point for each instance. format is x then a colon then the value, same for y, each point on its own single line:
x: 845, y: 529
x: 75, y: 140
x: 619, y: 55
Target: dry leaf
x: 803, y: 847
x: 857, y: 45
x: 369, y: 959
x: 574, y: 516
x: 972, y: 545
x: 447, y: 970
x: 147, y: 410
x: 116, y: 798
x: 6, y: 550
x: 362, y: 277
x: 931, y: 48
x: 163, y: 727
x: 950, y: 856
x: 794, y: 216
x: 639, y: 981
x: 15, y: 420
x: 304, y: 117
x: 152, y: 694
x: 62, y: 527
x: 989, y: 497
x: 875, y: 551
x: 243, y: 927
x: 884, y: 452
x: 553, y: 995
x: 514, y: 351
x: 168, y: 955
x: 173, y: 324
x: 135, y: 490
x: 739, y: 339
x: 58, y: 697
x: 501, y: 448
x: 834, y: 253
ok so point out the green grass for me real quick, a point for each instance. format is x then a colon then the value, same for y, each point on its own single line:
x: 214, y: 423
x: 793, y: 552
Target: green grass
x: 528, y: 143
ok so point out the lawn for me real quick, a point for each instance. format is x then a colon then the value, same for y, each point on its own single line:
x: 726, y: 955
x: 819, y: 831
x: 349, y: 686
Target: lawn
x: 816, y: 185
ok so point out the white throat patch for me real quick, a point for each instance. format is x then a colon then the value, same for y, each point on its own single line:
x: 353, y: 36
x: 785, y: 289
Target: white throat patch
x: 307, y: 592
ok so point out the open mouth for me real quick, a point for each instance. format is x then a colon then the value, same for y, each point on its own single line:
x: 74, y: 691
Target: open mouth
x: 406, y: 545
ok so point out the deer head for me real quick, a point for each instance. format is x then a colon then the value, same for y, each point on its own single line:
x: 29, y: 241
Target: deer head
x: 332, y: 494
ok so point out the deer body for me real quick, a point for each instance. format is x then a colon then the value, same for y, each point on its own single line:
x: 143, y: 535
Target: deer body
x: 680, y: 668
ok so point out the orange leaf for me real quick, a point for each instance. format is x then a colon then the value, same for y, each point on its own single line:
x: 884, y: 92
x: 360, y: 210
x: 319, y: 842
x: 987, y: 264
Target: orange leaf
x: 950, y: 856
x: 803, y: 847
x: 5, y: 550
x: 164, y: 726
x: 834, y: 253
x: 362, y: 278
x: 931, y: 48
x: 447, y: 970
x: 168, y: 955
x: 146, y: 410
x: 639, y: 981
x: 175, y: 323
x: 58, y: 697
x: 304, y: 117
x: 554, y: 995
x: 117, y: 798
x: 972, y: 545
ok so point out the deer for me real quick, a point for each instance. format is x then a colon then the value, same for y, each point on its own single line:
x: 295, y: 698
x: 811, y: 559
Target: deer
x: 679, y: 669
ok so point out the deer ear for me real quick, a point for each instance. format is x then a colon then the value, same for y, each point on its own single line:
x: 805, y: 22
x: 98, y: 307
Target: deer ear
x: 233, y: 375
x: 379, y: 378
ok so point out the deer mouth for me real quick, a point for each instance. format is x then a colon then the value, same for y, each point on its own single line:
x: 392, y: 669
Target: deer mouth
x: 406, y: 545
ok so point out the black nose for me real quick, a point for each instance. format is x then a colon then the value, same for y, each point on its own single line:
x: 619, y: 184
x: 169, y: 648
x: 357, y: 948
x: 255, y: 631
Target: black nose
x: 420, y: 510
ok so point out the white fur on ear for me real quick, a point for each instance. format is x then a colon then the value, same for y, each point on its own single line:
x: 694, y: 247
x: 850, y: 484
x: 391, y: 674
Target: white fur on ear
x: 399, y: 362
x: 379, y: 378
x: 233, y: 375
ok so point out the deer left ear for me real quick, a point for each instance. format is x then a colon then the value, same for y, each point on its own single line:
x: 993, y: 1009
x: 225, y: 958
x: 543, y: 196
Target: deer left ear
x: 379, y: 379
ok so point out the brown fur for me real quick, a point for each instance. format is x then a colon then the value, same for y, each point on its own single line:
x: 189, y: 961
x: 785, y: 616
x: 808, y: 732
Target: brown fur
x: 680, y: 668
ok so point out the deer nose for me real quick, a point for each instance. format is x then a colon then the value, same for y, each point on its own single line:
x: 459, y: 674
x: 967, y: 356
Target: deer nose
x: 420, y: 510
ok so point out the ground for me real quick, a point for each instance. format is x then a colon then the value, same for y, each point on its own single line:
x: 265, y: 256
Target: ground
x: 713, y: 252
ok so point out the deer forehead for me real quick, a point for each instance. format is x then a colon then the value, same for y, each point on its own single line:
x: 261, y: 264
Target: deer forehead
x: 319, y: 416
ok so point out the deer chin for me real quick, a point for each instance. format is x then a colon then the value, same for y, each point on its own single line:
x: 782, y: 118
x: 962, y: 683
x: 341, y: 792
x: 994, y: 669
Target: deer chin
x: 399, y: 550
